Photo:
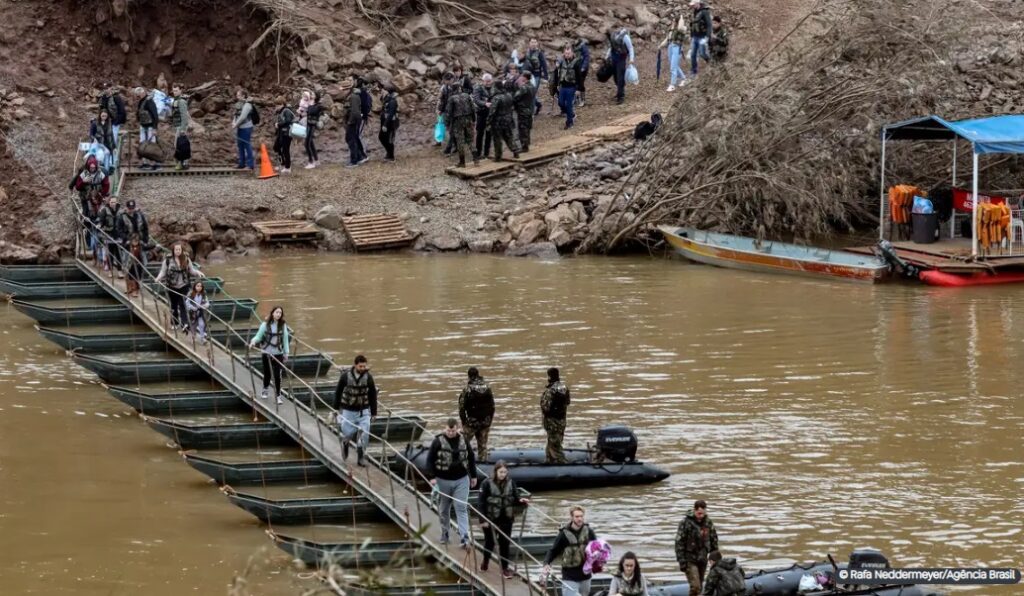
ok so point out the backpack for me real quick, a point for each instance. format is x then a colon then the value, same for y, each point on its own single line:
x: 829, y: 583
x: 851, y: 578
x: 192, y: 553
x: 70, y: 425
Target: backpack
x: 145, y: 117
x: 619, y: 42
x: 254, y: 113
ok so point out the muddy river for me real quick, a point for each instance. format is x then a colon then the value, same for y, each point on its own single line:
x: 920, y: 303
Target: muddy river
x: 814, y: 417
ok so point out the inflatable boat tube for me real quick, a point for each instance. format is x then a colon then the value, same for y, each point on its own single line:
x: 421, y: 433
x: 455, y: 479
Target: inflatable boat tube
x: 527, y: 468
x: 952, y: 280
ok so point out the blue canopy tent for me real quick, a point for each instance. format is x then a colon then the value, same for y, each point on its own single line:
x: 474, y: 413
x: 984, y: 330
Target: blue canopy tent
x: 995, y: 134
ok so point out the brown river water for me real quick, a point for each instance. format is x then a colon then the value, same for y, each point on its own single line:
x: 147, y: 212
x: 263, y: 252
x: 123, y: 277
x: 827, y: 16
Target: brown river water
x: 814, y: 417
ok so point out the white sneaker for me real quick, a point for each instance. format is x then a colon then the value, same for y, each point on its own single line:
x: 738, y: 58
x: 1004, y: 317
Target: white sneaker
x: 264, y: 394
x: 683, y: 82
x: 671, y: 88
x: 278, y: 396
x: 310, y: 166
x: 286, y: 170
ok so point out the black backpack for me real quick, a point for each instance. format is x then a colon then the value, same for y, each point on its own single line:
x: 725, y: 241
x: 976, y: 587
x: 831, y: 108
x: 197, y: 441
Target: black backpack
x: 254, y: 113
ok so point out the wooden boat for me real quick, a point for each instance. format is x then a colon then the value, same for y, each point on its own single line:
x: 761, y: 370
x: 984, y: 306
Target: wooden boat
x: 76, y: 289
x: 528, y: 468
x: 154, y: 366
x: 65, y: 312
x: 249, y: 434
x: 101, y: 340
x: 738, y: 252
x: 193, y: 402
x: 350, y: 554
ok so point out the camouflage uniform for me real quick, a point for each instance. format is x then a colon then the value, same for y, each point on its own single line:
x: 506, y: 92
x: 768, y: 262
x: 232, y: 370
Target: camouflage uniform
x: 459, y: 120
x: 500, y: 121
x: 725, y: 579
x: 476, y: 410
x: 719, y: 44
x: 553, y: 405
x: 694, y: 540
x: 524, y: 103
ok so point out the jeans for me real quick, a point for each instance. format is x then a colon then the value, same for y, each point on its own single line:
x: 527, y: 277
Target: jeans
x: 675, y: 55
x: 176, y: 298
x: 571, y: 588
x: 244, y: 138
x: 457, y: 491
x: 619, y: 61
x: 566, y: 97
x: 352, y: 422
x: 698, y: 45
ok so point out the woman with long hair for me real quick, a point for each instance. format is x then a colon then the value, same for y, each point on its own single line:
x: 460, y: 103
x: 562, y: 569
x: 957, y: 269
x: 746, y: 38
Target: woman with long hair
x: 628, y: 580
x: 272, y: 338
x: 313, y: 114
x: 498, y: 497
x: 176, y: 273
x: 198, y: 306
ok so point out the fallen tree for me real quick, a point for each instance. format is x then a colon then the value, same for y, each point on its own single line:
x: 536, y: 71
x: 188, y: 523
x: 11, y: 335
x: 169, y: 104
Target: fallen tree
x: 788, y: 145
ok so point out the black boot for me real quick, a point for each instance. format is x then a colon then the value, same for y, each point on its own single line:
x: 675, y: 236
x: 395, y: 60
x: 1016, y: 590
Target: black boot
x: 344, y: 449
x: 360, y: 460
x: 462, y: 162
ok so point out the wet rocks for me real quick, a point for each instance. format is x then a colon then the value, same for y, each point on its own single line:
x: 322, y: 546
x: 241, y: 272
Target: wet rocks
x: 540, y: 250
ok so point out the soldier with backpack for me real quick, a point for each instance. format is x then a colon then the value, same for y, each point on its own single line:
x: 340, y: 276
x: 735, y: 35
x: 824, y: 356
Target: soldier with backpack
x: 620, y: 52
x: 725, y: 577
x: 476, y: 410
x: 148, y: 117
x: 246, y: 117
x: 554, y: 405
x: 181, y: 119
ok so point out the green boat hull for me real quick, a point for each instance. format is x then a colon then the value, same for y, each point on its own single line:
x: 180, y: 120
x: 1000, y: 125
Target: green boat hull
x: 228, y: 310
x: 263, y: 433
x: 76, y: 289
x: 172, y: 369
x: 197, y: 402
x: 141, y: 341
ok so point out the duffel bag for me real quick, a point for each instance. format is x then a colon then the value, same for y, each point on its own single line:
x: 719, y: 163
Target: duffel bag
x: 152, y: 150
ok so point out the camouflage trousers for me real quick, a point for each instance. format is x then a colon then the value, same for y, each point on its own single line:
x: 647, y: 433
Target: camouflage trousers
x: 553, y: 453
x: 525, y: 123
x: 462, y: 136
x: 472, y: 430
x: 695, y: 577
x: 501, y: 133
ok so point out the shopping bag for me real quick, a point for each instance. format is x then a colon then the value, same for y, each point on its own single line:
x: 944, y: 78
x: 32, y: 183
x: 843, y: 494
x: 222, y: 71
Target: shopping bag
x: 439, y: 130
x: 632, y: 77
x: 298, y: 130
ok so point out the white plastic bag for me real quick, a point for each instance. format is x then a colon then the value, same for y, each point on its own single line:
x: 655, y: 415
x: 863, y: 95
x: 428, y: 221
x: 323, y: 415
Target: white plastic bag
x: 632, y: 76
x: 808, y: 584
x: 163, y: 103
x: 298, y: 130
x: 103, y: 157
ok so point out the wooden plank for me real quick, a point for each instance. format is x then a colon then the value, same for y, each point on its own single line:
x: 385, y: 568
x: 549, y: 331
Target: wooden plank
x: 631, y: 120
x: 407, y: 507
x: 609, y: 132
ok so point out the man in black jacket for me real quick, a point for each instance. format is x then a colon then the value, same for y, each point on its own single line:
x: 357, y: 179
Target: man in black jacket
x: 570, y: 546
x: 482, y: 95
x: 148, y: 117
x: 112, y: 102
x: 388, y: 120
x: 133, y: 221
x: 452, y: 468
x: 355, y: 401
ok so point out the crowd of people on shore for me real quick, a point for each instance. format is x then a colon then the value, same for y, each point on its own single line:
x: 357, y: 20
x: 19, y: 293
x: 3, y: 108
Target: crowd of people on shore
x: 496, y: 108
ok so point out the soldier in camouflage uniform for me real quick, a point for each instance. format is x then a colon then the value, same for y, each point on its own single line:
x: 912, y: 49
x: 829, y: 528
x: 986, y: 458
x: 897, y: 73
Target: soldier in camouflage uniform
x: 476, y: 409
x: 524, y: 102
x: 696, y: 537
x: 725, y: 578
x: 719, y: 42
x: 458, y: 118
x: 554, y: 404
x: 500, y: 120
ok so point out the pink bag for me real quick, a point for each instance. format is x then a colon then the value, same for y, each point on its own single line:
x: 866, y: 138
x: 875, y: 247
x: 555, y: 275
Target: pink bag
x: 596, y: 555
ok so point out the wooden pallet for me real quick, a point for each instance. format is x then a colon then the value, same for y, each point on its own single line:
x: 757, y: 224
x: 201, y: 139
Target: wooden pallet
x: 609, y: 132
x: 549, y: 150
x: 287, y: 231
x: 376, y: 231
x: 481, y: 171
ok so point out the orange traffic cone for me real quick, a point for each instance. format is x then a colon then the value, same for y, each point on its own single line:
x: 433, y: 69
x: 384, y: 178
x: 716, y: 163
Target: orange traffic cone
x: 266, y: 170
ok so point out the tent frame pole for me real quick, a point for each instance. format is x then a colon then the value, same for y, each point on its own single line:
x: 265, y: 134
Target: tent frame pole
x: 974, y: 211
x: 952, y: 219
x: 881, y: 192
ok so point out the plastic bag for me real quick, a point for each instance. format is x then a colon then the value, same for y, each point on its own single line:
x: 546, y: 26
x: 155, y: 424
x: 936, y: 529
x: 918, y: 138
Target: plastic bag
x: 808, y: 583
x: 163, y: 103
x: 632, y: 77
x: 298, y: 130
x: 103, y: 156
x: 439, y: 130
x: 922, y: 205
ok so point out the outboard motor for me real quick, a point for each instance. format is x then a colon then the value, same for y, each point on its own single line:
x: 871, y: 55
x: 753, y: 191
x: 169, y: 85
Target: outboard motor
x: 617, y: 442
x: 868, y: 558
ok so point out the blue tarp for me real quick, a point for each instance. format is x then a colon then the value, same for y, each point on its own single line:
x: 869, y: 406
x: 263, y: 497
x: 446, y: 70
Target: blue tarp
x: 995, y: 134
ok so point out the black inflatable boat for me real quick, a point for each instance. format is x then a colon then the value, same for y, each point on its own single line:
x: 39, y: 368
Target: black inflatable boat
x: 611, y: 463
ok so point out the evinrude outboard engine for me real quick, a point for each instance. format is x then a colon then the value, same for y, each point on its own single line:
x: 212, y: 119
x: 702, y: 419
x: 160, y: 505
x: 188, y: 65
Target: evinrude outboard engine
x: 617, y: 442
x: 868, y: 558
